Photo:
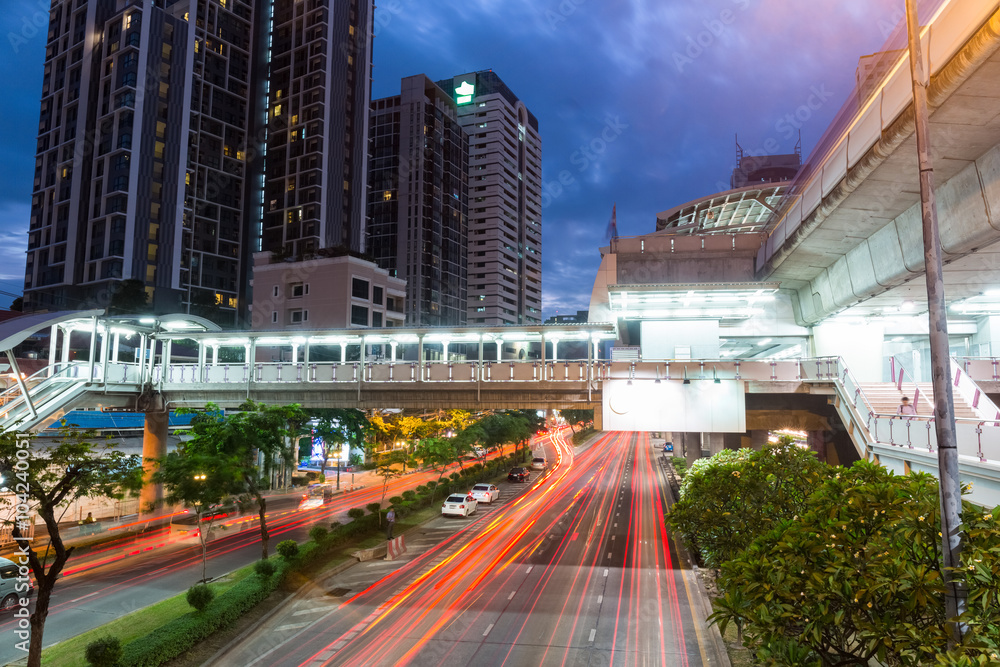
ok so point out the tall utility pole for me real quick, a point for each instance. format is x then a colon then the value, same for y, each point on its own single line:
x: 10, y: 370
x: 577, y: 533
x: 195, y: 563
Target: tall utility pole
x: 944, y: 406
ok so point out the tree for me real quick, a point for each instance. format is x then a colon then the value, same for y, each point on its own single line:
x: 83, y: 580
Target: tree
x: 857, y: 576
x: 202, y: 480
x: 336, y: 426
x: 129, y: 298
x: 45, y: 480
x: 573, y: 417
x: 387, y: 469
x: 735, y: 496
x: 257, y: 431
x: 17, y: 304
x: 438, y: 453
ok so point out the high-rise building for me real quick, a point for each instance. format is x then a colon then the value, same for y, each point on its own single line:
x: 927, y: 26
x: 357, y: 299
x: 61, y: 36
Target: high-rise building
x: 505, y: 200
x: 418, y: 199
x: 163, y: 132
x: 318, y: 91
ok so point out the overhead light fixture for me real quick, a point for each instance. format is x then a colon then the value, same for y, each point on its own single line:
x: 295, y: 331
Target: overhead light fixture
x: 907, y: 306
x: 765, y: 341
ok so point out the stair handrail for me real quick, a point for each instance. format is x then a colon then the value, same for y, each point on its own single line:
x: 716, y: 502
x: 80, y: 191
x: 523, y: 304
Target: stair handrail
x: 967, y: 362
x: 972, y: 393
x: 899, y: 383
x: 12, y: 396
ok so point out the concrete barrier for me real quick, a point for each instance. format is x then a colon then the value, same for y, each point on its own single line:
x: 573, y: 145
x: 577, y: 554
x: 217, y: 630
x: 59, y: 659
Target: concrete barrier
x: 370, y: 554
x: 395, y: 548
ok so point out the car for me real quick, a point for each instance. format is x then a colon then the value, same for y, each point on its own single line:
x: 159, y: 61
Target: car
x: 479, y: 452
x: 459, y: 505
x: 12, y: 588
x: 538, y: 463
x: 667, y: 448
x: 485, y: 493
x: 518, y: 474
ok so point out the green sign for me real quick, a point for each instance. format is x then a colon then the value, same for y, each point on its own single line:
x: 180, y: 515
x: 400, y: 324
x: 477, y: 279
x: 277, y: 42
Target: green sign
x: 464, y: 93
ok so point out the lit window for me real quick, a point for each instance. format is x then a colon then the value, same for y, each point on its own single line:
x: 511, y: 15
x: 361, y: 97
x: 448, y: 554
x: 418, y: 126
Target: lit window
x: 387, y: 195
x: 277, y: 110
x: 127, y: 23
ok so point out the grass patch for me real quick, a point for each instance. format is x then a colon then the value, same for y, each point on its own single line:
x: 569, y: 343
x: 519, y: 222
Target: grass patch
x: 133, y: 625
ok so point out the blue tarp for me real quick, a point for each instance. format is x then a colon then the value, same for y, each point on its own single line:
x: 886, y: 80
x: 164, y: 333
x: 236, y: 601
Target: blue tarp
x: 102, y: 421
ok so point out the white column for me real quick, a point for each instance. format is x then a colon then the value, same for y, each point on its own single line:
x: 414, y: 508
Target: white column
x: 67, y: 335
x: 499, y: 349
x: 53, y: 346
x: 215, y: 355
x: 555, y: 351
x: 246, y: 354
x: 104, y: 354
x: 392, y: 346
x: 201, y: 361
x: 114, y: 347
x: 167, y: 345
x: 597, y: 350
x: 343, y: 352
x: 295, y: 353
x: 444, y: 349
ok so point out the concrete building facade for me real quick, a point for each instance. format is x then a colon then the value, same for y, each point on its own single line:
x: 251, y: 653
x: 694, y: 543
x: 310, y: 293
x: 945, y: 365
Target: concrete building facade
x: 418, y: 200
x: 505, y: 200
x: 338, y: 292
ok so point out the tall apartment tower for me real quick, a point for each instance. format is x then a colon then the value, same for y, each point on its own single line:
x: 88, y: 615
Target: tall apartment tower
x: 318, y: 88
x: 418, y: 200
x: 157, y: 148
x: 138, y: 172
x: 505, y: 200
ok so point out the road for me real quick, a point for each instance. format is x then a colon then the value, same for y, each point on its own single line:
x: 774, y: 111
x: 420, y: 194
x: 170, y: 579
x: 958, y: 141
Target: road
x: 577, y: 570
x: 103, y: 585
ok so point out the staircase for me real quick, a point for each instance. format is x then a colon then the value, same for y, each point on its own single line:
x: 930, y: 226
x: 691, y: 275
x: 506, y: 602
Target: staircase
x: 884, y: 399
x: 46, y: 396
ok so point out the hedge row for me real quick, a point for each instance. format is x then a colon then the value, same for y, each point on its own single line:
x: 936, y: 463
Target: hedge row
x: 582, y: 435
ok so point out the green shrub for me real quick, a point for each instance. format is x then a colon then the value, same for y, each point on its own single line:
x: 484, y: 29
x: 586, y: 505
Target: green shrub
x: 177, y: 636
x: 431, y: 485
x: 373, y: 508
x: 265, y: 568
x: 287, y: 549
x: 199, y: 595
x: 421, y: 489
x: 409, y: 495
x: 104, y: 652
x: 396, y: 500
x: 455, y: 476
x: 355, y: 513
x: 318, y: 533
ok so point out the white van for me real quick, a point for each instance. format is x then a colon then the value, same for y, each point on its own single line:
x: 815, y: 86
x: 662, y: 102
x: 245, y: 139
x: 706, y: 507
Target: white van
x: 11, y: 590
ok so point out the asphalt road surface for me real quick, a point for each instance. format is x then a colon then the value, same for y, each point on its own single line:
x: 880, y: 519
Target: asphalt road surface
x: 100, y: 586
x: 578, y: 569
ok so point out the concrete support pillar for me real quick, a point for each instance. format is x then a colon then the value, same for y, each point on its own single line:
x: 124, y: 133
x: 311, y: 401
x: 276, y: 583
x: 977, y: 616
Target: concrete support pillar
x: 167, y: 347
x: 690, y: 446
x: 598, y: 419
x: 295, y: 353
x: 246, y: 354
x: 733, y: 441
x: 714, y: 443
x: 555, y: 349
x: 758, y: 439
x: 597, y: 350
x: 420, y: 358
x: 392, y: 350
x: 305, y: 353
x: 817, y: 443
x: 154, y: 446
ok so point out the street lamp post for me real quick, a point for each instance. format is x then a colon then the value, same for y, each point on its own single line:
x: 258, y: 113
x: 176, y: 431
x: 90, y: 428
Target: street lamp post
x: 944, y: 407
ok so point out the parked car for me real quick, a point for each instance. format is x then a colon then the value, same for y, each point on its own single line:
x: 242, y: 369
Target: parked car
x: 485, y: 493
x: 11, y: 588
x: 518, y: 474
x: 538, y: 463
x: 459, y: 505
x: 667, y: 448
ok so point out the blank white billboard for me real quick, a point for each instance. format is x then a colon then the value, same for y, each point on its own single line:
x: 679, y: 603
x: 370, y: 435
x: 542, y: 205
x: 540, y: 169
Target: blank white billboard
x: 703, y: 406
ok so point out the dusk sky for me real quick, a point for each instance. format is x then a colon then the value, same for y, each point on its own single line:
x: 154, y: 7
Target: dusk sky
x: 638, y: 101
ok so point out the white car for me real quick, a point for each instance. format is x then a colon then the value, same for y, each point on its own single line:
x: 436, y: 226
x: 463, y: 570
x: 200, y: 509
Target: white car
x: 485, y: 493
x: 459, y: 505
x: 479, y: 452
x: 538, y: 463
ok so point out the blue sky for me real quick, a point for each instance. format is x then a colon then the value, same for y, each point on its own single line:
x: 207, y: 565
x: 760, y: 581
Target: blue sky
x: 638, y: 101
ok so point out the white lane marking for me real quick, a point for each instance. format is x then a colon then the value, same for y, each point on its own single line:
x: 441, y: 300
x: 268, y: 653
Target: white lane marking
x: 592, y: 633
x: 616, y: 524
x: 488, y: 628
x: 314, y: 610
x: 292, y: 626
x: 529, y: 569
x: 511, y: 596
x: 84, y: 597
x: 606, y: 571
x: 600, y: 599
x: 339, y: 645
x: 612, y: 537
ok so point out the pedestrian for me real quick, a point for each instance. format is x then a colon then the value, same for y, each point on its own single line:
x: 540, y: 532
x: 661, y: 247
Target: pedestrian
x: 90, y: 518
x: 905, y: 409
x: 390, y: 521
